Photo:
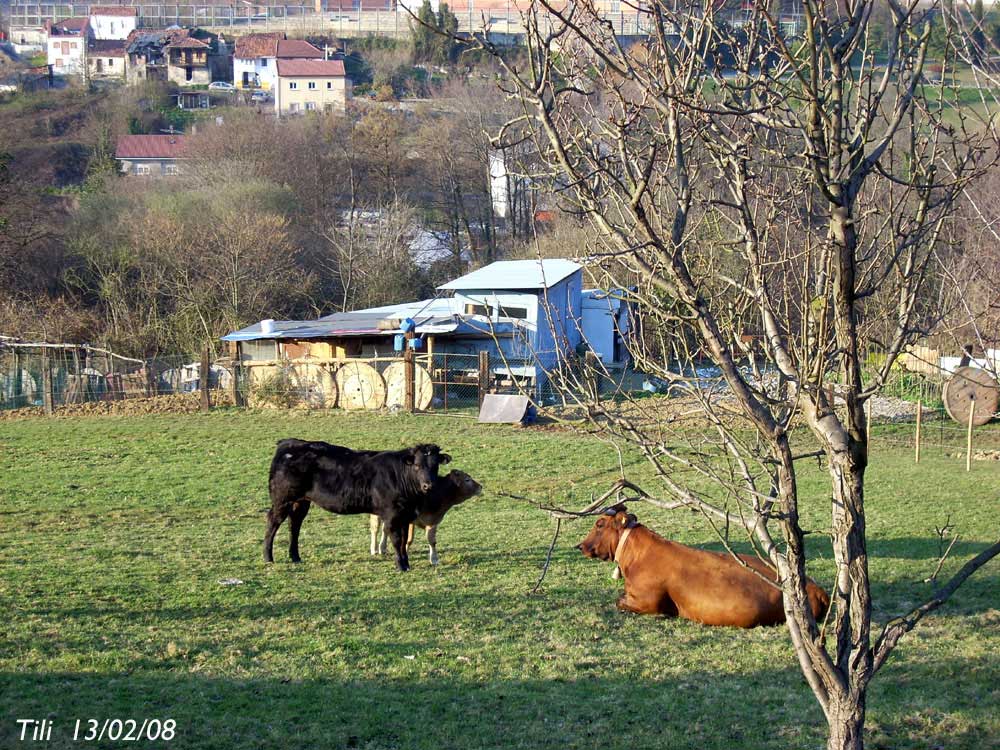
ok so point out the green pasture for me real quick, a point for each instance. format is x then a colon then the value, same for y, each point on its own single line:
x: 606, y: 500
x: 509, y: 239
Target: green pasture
x: 115, y: 534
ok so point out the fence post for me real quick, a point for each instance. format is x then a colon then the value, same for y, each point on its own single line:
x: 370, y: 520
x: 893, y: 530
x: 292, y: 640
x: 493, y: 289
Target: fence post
x: 484, y: 376
x: 46, y: 384
x: 203, y: 376
x: 409, y: 373
x: 234, y: 383
x: 445, y: 369
x: 920, y: 415
x: 968, y: 438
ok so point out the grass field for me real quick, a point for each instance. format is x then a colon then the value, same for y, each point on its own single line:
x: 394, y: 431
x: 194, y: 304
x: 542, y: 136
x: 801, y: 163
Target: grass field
x: 115, y: 534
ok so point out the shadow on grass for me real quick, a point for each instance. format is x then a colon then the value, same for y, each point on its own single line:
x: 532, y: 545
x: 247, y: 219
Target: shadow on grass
x: 769, y: 709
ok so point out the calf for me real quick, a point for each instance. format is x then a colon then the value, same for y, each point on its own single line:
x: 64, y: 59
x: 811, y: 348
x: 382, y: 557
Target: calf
x: 448, y: 491
x: 667, y: 578
x: 388, y: 484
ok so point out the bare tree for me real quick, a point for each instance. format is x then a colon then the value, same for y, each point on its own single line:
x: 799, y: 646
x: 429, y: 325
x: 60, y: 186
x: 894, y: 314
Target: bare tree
x: 369, y: 253
x: 773, y: 204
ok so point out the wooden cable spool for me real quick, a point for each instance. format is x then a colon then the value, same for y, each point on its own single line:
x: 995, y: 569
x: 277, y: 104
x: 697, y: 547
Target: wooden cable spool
x: 360, y: 386
x: 395, y: 381
x: 971, y: 388
x: 316, y: 387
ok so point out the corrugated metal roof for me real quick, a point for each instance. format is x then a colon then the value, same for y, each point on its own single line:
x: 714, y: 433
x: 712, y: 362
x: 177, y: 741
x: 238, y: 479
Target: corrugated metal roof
x: 516, y: 275
x: 344, y: 325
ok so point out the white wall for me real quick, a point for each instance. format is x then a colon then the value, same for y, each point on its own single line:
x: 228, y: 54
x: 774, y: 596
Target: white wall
x: 262, y: 67
x: 66, y: 60
x: 112, y: 27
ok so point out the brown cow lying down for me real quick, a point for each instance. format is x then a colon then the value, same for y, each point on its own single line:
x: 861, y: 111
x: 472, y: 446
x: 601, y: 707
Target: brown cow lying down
x: 448, y: 491
x: 667, y: 578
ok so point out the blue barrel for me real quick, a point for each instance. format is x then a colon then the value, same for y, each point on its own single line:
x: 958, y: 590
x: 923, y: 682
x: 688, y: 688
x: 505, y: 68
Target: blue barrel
x: 399, y: 342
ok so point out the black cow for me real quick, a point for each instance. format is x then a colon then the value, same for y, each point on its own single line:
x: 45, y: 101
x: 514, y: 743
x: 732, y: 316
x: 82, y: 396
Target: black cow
x: 388, y: 484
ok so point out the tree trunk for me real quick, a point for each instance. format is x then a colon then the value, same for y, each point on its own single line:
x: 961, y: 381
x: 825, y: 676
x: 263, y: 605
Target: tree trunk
x: 847, y: 721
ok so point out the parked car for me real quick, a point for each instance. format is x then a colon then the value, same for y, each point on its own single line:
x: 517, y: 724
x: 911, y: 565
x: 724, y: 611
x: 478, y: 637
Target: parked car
x: 221, y: 86
x: 259, y: 97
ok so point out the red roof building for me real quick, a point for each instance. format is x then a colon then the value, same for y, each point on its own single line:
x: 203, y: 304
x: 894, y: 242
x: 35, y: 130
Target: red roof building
x: 311, y: 69
x: 151, y: 147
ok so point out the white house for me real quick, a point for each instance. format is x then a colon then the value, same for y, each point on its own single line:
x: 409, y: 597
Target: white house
x: 112, y: 22
x: 66, y: 46
x: 256, y: 55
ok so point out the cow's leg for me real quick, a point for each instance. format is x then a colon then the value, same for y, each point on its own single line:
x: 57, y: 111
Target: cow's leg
x: 432, y: 543
x: 374, y: 527
x: 275, y: 516
x: 295, y: 518
x: 397, y: 532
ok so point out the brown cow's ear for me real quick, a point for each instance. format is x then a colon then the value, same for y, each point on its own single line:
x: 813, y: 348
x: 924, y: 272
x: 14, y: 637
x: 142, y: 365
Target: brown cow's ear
x: 630, y: 521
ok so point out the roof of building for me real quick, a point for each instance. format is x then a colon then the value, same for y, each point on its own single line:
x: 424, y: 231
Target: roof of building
x: 151, y: 146
x: 250, y: 46
x: 157, y: 38
x: 311, y: 68
x: 516, y: 274
x: 298, y: 48
x: 68, y: 26
x: 107, y: 47
x: 365, y: 323
x: 189, y: 43
x: 113, y: 10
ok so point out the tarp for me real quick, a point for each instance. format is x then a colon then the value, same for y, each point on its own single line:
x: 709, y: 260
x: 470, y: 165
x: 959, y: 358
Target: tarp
x: 497, y: 409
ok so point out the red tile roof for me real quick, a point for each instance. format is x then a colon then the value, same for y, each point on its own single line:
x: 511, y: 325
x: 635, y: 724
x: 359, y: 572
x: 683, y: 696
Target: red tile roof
x: 189, y: 43
x: 300, y: 48
x: 67, y: 26
x: 112, y: 10
x: 251, y: 46
x: 311, y: 68
x: 151, y: 147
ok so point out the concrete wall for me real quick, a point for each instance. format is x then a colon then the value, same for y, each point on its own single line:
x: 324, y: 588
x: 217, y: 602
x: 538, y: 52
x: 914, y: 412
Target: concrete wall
x: 148, y: 167
x: 262, y: 68
x: 328, y: 93
x: 102, y: 66
x: 112, y: 27
x: 67, y: 55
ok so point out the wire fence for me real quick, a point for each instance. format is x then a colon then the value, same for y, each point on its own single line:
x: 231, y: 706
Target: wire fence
x: 52, y: 376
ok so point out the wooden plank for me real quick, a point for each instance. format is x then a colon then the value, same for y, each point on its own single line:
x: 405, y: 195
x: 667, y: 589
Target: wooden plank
x: 408, y: 376
x: 204, y: 373
x: 484, y: 376
x: 46, y: 384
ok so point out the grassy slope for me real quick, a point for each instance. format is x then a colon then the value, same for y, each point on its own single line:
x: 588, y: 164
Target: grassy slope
x: 114, y: 533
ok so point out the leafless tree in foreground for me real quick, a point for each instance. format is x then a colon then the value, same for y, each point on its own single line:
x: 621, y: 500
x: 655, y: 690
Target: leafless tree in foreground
x: 776, y: 205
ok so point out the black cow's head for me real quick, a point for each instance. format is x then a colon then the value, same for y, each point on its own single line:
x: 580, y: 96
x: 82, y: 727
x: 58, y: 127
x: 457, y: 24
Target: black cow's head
x: 465, y: 486
x: 425, y: 459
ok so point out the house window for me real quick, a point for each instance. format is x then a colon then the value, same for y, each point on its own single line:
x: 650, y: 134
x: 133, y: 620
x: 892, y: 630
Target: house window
x: 521, y: 313
x: 263, y: 62
x: 59, y: 62
x: 169, y: 169
x: 312, y: 85
x: 310, y: 106
x: 111, y: 62
x: 293, y: 85
x: 329, y: 84
x: 477, y: 310
x: 142, y: 169
x: 65, y: 48
x: 72, y: 45
x: 293, y: 107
